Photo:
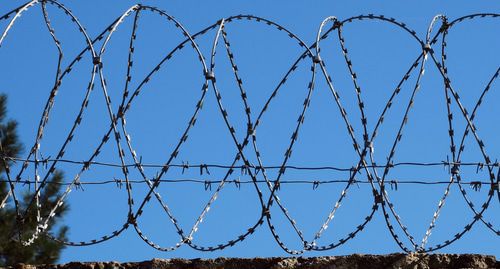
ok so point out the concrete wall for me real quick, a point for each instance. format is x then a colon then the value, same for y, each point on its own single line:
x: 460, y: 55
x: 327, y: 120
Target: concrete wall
x: 328, y: 262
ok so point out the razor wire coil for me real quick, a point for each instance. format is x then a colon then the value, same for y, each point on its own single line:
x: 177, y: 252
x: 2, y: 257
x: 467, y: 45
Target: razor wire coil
x: 377, y: 174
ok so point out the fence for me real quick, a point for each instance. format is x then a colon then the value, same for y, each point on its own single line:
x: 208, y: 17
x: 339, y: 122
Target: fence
x: 377, y: 174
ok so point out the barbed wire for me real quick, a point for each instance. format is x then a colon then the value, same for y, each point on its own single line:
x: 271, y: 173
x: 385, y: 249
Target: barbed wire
x: 474, y: 184
x: 186, y: 165
x: 377, y: 175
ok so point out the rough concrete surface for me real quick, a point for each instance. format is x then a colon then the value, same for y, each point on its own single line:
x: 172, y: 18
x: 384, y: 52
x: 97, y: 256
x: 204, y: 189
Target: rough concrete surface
x: 397, y: 260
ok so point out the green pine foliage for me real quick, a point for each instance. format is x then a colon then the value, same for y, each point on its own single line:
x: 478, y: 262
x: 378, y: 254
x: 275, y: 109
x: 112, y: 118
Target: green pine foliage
x: 44, y: 250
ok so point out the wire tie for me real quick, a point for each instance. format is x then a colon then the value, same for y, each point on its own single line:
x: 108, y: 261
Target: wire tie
x: 209, y: 75
x: 444, y: 26
x: 97, y: 60
x: 336, y: 24
x: 266, y: 212
x: 119, y: 114
x: 378, y: 197
x: 308, y: 246
x: 369, y: 144
x: 427, y: 48
x: 131, y: 219
x: 495, y: 186
x: 250, y: 129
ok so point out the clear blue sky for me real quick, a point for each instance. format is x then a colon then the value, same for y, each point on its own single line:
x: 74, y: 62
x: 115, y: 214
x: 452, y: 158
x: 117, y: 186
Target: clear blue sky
x: 380, y: 53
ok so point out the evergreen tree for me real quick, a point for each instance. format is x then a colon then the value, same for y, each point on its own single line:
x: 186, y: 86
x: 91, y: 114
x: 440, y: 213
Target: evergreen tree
x: 43, y: 250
